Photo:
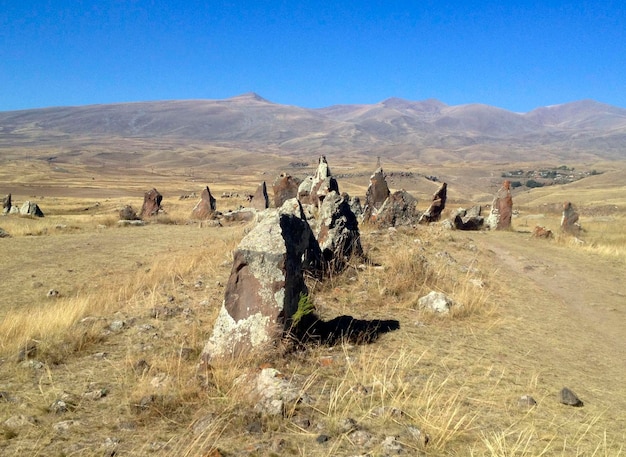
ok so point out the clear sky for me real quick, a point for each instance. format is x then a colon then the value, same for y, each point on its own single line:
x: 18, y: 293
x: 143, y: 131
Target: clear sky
x: 514, y: 54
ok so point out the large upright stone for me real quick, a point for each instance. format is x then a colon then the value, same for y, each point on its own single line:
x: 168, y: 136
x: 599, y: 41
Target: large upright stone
x: 285, y: 187
x: 151, y: 203
x: 205, y: 208
x: 6, y: 204
x: 265, y: 284
x: 31, y: 209
x: 501, y: 208
x: 338, y: 231
x: 433, y: 213
x: 260, y: 200
x: 569, y: 220
x: 376, y: 194
x: 322, y: 184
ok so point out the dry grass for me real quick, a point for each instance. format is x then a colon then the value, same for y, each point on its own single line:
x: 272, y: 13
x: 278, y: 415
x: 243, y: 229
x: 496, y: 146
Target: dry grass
x: 454, y: 378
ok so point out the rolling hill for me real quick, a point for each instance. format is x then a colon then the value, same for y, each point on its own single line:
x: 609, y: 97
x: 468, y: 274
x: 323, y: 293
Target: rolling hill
x: 426, y: 130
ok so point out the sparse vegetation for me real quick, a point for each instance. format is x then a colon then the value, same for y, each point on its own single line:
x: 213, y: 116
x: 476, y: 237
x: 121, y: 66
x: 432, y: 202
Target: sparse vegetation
x: 121, y: 343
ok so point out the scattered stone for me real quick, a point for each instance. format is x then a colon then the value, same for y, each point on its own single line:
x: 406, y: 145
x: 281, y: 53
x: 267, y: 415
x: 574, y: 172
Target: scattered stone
x: 265, y: 283
x: 438, y: 204
x: 127, y: 213
x: 6, y: 204
x: 321, y: 439
x: 542, y: 232
x: 64, y: 426
x: 360, y: 438
x: 526, y: 401
x: 19, y: 421
x: 28, y: 351
x: 31, y: 209
x: 141, y: 366
x: 255, y: 427
x: 569, y: 220
x: 206, y: 207
x: 301, y: 421
x: 390, y: 411
x: 124, y: 223
x: 348, y: 425
x: 59, y: 407
x: 53, y: 293
x: 437, y: 302
x: 273, y: 392
x: 240, y: 215
x: 376, y: 194
x: 285, y: 187
x: 260, y: 200
x: 501, y: 208
x: 468, y: 219
x: 391, y: 445
x: 151, y: 204
x: 4, y: 233
x: 96, y: 394
x: 567, y: 397
x: 418, y: 435
x: 165, y: 312
x: 116, y: 326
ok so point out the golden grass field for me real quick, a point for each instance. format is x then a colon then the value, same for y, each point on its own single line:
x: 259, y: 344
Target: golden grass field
x: 536, y: 315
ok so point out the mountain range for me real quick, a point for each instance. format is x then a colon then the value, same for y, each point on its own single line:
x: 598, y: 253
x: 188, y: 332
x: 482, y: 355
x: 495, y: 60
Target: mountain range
x: 426, y: 130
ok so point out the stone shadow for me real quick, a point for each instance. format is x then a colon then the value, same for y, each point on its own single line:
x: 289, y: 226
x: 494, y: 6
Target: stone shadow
x: 344, y: 328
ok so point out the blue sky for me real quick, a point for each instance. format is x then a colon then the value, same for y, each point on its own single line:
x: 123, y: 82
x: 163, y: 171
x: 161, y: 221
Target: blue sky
x: 516, y: 55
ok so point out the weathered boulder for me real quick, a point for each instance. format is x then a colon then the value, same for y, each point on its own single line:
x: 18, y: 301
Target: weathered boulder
x: 31, y: 209
x: 239, y: 215
x: 569, y: 220
x: 151, y: 203
x: 400, y: 208
x: 542, y: 232
x: 260, y: 200
x: 6, y: 204
x: 438, y: 204
x: 265, y: 284
x: 322, y: 183
x: 128, y: 214
x: 337, y: 231
x: 469, y: 219
x: 501, y: 208
x: 376, y: 194
x: 355, y: 205
x: 304, y: 190
x: 437, y: 302
x: 285, y: 187
x: 205, y: 208
x: 4, y: 233
x: 568, y: 397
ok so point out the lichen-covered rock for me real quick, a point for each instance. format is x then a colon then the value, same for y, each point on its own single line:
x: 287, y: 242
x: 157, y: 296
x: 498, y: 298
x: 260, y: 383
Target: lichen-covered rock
x: 205, y: 208
x: 265, y: 283
x: 438, y: 204
x: 285, y: 187
x: 6, y: 204
x: 338, y: 231
x: 322, y: 184
x: 400, y: 208
x: 376, y: 194
x: 568, y: 397
x: 437, y: 302
x: 469, y: 219
x: 127, y: 213
x: 151, y: 203
x: 501, y: 208
x: 31, y: 209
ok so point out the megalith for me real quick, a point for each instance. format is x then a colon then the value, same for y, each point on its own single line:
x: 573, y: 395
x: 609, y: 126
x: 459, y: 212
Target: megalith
x: 205, y: 208
x: 569, y: 220
x: 285, y: 187
x: 6, y: 204
x: 438, y: 204
x: 469, y: 219
x: 265, y: 284
x: 31, y: 209
x: 501, y: 208
x: 260, y: 200
x: 400, y: 208
x: 322, y: 183
x: 151, y: 203
x: 377, y: 193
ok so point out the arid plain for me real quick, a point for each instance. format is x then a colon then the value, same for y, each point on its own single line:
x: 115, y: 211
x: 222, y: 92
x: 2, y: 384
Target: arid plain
x: 115, y: 370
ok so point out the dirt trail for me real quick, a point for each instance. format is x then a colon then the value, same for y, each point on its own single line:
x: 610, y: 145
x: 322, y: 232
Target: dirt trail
x: 591, y: 287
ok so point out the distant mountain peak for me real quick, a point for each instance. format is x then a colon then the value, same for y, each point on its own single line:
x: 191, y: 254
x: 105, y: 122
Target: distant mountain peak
x: 249, y: 96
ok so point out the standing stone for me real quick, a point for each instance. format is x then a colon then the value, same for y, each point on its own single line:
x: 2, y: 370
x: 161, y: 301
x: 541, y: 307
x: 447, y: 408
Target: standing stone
x: 260, y: 200
x: 376, y: 194
x: 569, y: 220
x: 501, y: 208
x: 338, y: 232
x: 265, y: 284
x: 322, y: 183
x: 151, y: 203
x: 31, y: 209
x: 205, y: 208
x: 285, y: 187
x: 304, y: 190
x: 6, y: 204
x: 433, y: 213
